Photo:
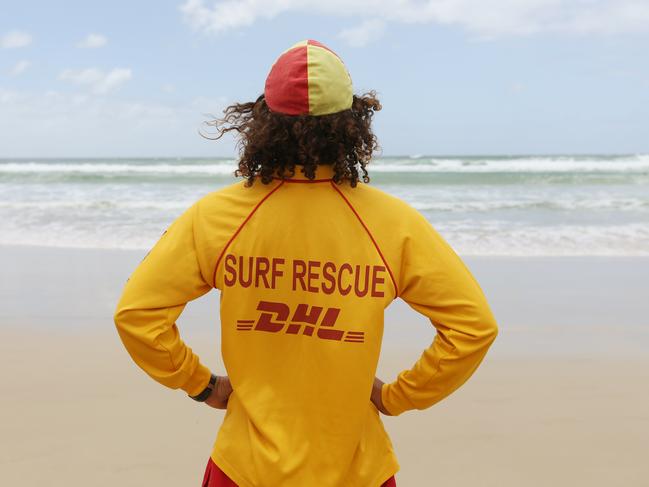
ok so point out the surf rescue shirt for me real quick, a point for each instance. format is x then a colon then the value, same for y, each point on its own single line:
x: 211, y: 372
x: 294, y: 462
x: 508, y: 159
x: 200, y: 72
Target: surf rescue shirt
x: 305, y: 270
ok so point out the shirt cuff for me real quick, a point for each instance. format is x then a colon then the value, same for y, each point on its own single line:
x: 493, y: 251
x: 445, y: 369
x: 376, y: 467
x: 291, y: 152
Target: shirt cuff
x: 198, y: 381
x: 392, y: 401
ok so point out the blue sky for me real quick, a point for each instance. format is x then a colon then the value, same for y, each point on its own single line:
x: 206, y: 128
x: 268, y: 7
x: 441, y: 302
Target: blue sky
x: 110, y: 79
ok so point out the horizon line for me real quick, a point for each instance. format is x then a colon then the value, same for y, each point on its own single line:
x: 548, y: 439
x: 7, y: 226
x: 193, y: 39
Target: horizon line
x: 403, y: 156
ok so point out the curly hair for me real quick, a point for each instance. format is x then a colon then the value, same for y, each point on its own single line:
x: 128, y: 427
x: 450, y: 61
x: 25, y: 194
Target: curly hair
x: 272, y: 144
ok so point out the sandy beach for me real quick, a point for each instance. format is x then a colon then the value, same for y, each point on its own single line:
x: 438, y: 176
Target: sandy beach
x: 562, y: 398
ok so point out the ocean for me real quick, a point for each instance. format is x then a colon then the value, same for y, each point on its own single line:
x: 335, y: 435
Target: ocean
x: 495, y: 205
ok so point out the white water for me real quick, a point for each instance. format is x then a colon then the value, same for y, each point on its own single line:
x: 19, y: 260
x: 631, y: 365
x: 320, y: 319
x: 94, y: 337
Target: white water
x: 550, y: 205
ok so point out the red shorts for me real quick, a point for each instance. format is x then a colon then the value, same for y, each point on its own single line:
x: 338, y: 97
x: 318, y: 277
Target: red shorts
x: 214, y: 477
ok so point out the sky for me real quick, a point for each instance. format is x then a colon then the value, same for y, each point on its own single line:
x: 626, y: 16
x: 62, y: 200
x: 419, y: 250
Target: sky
x: 455, y: 77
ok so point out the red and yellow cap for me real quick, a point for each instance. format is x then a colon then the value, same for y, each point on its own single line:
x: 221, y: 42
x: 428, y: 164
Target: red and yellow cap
x: 308, y: 79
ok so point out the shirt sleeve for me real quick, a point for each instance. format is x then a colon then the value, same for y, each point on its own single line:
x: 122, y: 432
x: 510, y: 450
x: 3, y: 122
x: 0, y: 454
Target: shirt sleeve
x: 152, y: 300
x: 435, y: 282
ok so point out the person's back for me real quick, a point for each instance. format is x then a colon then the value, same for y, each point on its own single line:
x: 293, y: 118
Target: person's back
x: 306, y: 261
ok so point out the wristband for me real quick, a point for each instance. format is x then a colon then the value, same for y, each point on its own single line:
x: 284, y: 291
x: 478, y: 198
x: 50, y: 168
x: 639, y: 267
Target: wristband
x: 207, y: 391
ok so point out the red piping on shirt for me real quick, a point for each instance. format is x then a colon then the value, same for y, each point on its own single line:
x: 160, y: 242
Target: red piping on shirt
x: 394, y: 283
x: 234, y: 235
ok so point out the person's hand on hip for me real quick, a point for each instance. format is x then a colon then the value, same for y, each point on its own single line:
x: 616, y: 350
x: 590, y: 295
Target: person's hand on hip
x: 218, y: 399
x: 376, y: 396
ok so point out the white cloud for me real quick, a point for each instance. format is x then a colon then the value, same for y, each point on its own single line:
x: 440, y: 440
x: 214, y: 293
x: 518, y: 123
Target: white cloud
x: 517, y: 87
x: 226, y: 15
x: 367, y: 31
x: 15, y: 39
x: 93, y: 41
x: 99, y: 82
x: 19, y: 68
x: 82, y: 125
x: 486, y: 18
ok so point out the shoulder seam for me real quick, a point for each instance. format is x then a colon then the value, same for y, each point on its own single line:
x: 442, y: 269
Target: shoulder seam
x: 367, y: 230
x: 234, y: 235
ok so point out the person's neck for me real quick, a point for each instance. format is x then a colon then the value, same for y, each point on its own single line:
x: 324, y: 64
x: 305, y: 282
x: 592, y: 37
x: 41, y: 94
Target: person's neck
x: 322, y: 172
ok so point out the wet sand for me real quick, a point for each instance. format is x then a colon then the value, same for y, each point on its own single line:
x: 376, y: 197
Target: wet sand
x: 561, y: 398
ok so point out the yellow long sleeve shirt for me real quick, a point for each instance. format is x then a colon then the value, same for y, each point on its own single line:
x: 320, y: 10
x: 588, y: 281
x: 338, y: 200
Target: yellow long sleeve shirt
x: 305, y: 269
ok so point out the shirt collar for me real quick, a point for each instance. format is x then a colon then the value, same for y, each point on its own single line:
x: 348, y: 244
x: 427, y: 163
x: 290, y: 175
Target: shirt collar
x: 323, y: 172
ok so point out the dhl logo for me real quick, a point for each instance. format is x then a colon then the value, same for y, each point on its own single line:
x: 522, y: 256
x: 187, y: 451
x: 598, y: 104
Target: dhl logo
x: 274, y: 318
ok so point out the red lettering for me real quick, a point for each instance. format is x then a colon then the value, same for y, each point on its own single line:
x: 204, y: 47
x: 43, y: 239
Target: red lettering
x: 357, y: 289
x: 329, y: 320
x: 265, y: 322
x: 245, y: 282
x: 229, y: 263
x: 303, y: 314
x: 328, y: 270
x: 274, y: 318
x: 299, y: 275
x: 330, y: 317
x: 377, y: 280
x: 344, y: 291
x: 276, y: 273
x: 312, y: 276
x: 308, y: 275
x: 263, y: 266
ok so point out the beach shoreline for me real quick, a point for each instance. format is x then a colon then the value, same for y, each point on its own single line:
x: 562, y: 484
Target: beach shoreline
x: 559, y: 399
x: 574, y: 306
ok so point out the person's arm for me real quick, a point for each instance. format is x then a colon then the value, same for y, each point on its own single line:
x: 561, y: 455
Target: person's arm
x: 436, y: 283
x: 153, y: 299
